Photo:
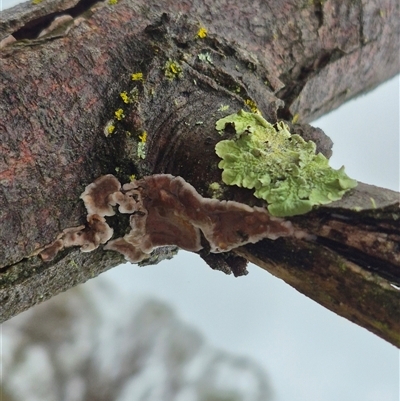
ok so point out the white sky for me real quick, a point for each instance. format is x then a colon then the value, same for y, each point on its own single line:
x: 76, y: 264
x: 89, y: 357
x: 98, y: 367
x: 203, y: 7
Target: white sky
x: 309, y: 352
x: 365, y: 132
x: 8, y: 3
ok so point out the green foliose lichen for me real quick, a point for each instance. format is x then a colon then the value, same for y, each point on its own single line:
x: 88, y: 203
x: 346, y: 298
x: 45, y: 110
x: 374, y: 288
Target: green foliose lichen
x: 283, y: 168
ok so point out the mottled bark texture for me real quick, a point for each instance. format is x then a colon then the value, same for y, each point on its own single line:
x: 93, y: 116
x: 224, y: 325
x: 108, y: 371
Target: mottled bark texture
x: 299, y: 60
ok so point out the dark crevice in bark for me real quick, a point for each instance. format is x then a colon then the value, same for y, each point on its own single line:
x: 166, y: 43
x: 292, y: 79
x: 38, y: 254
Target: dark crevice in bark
x: 361, y: 24
x: 363, y: 221
x: 319, y: 12
x: 382, y: 268
x: 33, y: 28
x: 296, y: 79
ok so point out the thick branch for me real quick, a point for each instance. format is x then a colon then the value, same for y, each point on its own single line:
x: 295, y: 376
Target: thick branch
x: 59, y: 92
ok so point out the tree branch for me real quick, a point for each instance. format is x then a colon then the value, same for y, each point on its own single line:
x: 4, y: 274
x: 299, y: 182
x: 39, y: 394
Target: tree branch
x: 59, y: 94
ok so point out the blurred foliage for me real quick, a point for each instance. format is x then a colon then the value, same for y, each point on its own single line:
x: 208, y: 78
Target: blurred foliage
x: 95, y: 343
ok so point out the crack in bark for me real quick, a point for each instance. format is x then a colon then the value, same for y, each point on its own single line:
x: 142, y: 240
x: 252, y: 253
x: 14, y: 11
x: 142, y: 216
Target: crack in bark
x: 290, y: 92
x: 318, y: 11
x: 32, y: 28
x: 361, y: 24
x: 382, y: 268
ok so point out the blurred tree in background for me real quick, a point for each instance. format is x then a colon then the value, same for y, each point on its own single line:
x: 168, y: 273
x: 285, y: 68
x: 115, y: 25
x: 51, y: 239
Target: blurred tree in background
x: 92, y: 344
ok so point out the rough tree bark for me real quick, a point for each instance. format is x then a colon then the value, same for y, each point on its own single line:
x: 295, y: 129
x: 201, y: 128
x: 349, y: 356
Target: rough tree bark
x: 296, y: 61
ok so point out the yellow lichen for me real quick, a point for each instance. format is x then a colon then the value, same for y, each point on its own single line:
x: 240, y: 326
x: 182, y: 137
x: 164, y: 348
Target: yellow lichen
x: 295, y: 118
x: 143, y: 137
x: 36, y: 2
x: 202, y: 32
x: 137, y: 76
x: 119, y: 114
x: 109, y: 128
x: 112, y: 2
x: 132, y: 177
x: 253, y: 106
x: 125, y: 97
x: 172, y: 69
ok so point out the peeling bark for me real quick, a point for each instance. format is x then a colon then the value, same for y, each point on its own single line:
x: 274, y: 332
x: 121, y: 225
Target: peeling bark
x: 58, y: 93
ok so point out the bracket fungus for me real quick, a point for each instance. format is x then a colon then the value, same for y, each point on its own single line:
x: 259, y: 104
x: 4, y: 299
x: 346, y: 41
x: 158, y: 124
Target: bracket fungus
x: 97, y: 195
x: 166, y: 210
x: 88, y: 237
x: 171, y: 212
